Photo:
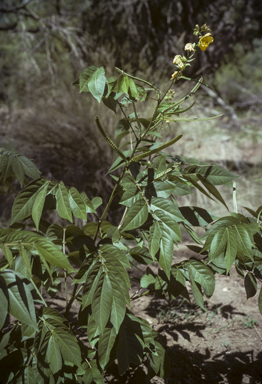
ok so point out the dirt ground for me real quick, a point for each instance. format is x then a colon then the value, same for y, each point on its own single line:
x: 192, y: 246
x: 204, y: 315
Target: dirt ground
x: 222, y: 345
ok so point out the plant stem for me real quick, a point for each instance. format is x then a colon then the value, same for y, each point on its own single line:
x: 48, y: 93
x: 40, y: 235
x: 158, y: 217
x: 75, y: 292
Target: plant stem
x: 109, y: 203
x: 72, y: 298
x: 39, y: 294
x: 142, y: 294
x: 65, y: 276
x: 137, y: 78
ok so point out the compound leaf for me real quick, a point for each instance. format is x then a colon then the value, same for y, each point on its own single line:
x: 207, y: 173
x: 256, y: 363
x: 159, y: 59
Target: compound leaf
x: 168, y: 207
x: 48, y: 251
x: 21, y: 304
x: 23, y: 205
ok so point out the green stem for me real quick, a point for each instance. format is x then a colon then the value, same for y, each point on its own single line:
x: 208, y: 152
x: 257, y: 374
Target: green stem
x: 142, y: 294
x: 137, y: 78
x: 39, y: 294
x: 137, y: 120
x: 109, y: 203
x: 72, y: 298
x: 122, y: 110
x: 65, y: 276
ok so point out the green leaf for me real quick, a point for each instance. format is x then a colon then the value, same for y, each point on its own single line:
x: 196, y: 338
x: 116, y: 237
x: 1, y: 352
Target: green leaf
x: 89, y: 206
x: 166, y: 250
x: 110, y: 102
x: 6, y: 164
x: 4, y: 302
x: 39, y: 204
x: 67, y: 344
x: 169, y: 208
x: 7, y: 253
x: 192, y: 234
x: 105, y: 345
x: 218, y: 243
x: 129, y: 348
x: 52, y: 254
x: 136, y: 216
x: 51, y: 313
x: 203, y: 275
x: 85, y: 78
x: 18, y: 169
x: 250, y: 285
x: 97, y: 83
x: 92, y: 373
x: 96, y: 202
x: 133, y: 89
x: 196, y: 291
x: 77, y: 204
x: 243, y: 241
x: 53, y: 354
x: 148, y: 279
x: 102, y: 302
x: 120, y: 284
x: 164, y: 188
x: 198, y: 217
x: 141, y: 255
x: 231, y: 248
x: 215, y: 174
x: 210, y: 187
x: 260, y: 301
x: 21, y: 304
x: 154, y: 238
x: 170, y: 225
x: 110, y: 251
x: 118, y: 271
x: 62, y: 202
x: 125, y: 84
x: 90, y: 287
x: 29, y: 167
x: 24, y: 202
x: 26, y: 259
x: 130, y: 196
x: 159, y: 361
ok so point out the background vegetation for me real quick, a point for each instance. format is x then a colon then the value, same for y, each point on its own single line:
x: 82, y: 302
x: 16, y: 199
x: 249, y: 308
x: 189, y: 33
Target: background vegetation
x: 46, y: 44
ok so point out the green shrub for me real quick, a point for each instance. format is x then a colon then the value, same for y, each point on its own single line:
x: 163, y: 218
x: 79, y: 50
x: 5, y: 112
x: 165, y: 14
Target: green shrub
x: 45, y: 346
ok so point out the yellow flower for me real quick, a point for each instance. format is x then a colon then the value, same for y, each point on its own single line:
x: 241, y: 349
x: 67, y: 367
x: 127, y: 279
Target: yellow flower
x: 205, y: 41
x: 179, y: 62
x: 189, y: 47
x: 174, y: 75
